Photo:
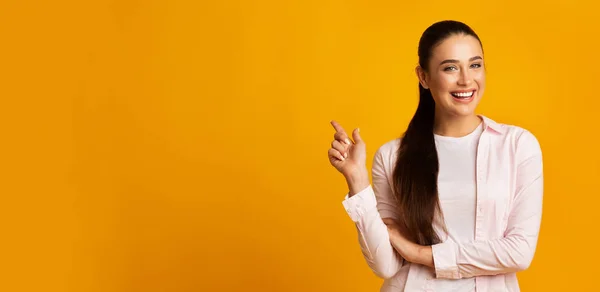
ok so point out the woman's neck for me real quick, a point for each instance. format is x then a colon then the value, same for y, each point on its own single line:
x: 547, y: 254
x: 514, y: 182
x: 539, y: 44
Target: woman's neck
x: 453, y: 126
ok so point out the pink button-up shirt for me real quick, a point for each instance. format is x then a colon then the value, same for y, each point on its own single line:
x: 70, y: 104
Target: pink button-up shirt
x: 509, y: 188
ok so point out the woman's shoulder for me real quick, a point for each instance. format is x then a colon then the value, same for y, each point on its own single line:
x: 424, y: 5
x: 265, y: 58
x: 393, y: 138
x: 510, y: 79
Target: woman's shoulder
x: 519, y: 137
x: 389, y: 147
x: 387, y: 152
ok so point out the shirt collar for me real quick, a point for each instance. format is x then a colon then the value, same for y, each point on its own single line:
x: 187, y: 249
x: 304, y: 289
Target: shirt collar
x: 491, y: 124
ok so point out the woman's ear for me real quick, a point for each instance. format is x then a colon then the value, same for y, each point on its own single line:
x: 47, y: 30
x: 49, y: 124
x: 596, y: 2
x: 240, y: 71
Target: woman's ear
x: 422, y: 75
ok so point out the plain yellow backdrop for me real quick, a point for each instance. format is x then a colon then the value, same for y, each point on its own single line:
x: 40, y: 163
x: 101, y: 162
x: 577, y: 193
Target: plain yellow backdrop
x: 182, y: 145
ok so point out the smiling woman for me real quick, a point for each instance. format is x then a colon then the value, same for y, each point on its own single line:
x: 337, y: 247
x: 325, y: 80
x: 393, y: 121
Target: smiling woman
x: 456, y: 202
x: 455, y: 75
x: 464, y: 95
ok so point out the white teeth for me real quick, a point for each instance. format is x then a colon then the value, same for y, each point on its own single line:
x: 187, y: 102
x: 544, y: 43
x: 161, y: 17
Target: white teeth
x: 463, y: 94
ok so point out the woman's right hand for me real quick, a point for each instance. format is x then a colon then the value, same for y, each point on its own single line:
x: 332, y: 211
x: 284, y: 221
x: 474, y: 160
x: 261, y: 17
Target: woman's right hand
x: 348, y: 157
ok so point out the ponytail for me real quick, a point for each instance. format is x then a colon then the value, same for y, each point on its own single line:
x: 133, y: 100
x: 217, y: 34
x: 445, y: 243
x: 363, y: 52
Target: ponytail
x: 416, y: 171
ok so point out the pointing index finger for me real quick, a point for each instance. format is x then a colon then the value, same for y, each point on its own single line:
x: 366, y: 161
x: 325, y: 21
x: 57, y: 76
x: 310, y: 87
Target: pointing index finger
x: 340, y: 130
x: 337, y: 127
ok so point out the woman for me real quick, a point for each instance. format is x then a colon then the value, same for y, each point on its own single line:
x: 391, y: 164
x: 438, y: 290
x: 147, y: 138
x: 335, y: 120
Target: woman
x: 456, y: 202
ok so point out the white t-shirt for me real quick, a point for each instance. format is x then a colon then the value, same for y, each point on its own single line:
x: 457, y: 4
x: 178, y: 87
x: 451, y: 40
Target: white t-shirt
x: 457, y: 192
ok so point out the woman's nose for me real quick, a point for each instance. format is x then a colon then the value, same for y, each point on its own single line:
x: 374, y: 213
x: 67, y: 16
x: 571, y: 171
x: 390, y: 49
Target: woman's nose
x: 465, y: 78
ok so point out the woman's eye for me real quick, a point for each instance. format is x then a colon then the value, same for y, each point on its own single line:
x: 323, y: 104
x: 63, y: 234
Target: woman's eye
x: 450, y: 68
x: 476, y: 65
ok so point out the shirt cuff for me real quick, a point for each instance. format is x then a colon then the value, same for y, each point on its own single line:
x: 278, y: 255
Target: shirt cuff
x: 444, y: 260
x: 362, y: 202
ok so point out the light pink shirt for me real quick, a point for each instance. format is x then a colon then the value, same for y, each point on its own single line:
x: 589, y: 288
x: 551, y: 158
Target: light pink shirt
x: 509, y: 191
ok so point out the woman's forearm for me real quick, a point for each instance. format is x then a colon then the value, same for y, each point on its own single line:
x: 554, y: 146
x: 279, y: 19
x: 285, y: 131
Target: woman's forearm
x: 357, y: 181
x: 412, y: 252
x: 425, y: 256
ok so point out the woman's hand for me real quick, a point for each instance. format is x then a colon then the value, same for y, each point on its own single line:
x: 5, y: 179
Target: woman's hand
x: 349, y: 158
x: 408, y: 249
x: 346, y: 156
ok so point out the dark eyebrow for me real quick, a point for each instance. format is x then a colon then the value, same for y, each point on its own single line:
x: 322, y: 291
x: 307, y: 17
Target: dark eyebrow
x: 456, y: 61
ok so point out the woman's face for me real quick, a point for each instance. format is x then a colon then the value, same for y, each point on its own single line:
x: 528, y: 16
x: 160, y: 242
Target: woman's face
x: 455, y: 76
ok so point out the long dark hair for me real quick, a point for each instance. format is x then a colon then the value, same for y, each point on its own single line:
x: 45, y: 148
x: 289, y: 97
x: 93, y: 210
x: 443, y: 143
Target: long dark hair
x: 416, y: 170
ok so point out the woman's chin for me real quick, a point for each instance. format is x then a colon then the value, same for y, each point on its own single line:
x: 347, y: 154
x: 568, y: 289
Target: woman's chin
x: 464, y: 111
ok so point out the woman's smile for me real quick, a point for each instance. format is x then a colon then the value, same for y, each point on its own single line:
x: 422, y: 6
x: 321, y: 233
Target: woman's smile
x: 464, y: 96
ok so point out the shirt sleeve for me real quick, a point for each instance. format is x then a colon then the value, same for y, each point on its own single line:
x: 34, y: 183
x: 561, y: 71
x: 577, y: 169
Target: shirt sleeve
x: 366, y: 209
x: 513, y: 252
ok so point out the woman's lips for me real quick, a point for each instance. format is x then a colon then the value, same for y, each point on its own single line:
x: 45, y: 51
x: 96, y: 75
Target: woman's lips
x: 463, y: 96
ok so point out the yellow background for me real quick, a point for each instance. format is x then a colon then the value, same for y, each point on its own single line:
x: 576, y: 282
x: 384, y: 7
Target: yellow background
x: 182, y: 145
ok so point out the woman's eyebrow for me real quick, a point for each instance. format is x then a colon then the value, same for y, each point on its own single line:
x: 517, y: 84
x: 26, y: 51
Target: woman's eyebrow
x: 456, y: 61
